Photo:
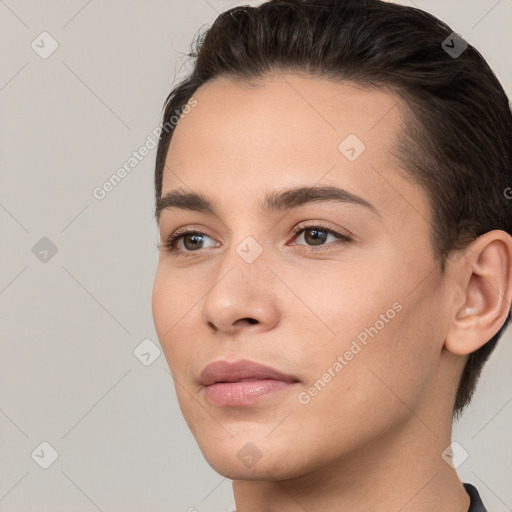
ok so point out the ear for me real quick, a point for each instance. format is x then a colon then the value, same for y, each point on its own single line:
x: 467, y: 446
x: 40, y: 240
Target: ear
x: 485, y: 279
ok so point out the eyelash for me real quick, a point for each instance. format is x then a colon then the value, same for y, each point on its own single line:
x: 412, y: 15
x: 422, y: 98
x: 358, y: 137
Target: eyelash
x: 170, y: 243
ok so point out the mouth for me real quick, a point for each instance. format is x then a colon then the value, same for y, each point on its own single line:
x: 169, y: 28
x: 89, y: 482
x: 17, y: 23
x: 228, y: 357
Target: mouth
x: 243, y: 383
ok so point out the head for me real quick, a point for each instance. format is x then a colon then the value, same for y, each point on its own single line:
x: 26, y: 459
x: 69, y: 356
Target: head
x: 316, y: 96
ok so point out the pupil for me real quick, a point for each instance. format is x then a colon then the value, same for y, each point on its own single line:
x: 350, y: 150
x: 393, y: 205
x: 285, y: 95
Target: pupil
x: 195, y: 238
x: 314, y: 239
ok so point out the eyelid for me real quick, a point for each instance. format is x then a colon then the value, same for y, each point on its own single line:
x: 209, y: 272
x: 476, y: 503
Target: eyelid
x: 189, y: 229
x: 303, y: 226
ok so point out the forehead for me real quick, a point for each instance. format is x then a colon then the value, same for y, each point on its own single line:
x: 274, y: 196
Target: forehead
x: 290, y: 130
x: 233, y: 114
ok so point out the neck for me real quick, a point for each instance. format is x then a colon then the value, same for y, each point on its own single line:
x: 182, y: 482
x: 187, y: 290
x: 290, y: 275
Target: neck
x: 400, y: 471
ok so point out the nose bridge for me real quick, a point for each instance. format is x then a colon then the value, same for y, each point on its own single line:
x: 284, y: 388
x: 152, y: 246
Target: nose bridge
x: 241, y: 288
x: 246, y: 252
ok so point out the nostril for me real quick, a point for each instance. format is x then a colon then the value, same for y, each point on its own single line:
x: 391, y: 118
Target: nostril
x: 251, y: 320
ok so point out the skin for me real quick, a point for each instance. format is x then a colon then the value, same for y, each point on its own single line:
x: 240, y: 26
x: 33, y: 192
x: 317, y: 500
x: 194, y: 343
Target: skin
x: 372, y: 439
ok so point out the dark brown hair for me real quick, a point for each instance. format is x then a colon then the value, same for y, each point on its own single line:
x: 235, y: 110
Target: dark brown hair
x: 456, y: 138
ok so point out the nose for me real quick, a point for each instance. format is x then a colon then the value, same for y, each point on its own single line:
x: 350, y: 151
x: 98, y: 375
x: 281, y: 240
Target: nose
x: 242, y: 297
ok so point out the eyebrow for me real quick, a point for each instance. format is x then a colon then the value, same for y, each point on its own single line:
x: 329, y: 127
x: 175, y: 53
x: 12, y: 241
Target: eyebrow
x: 274, y: 201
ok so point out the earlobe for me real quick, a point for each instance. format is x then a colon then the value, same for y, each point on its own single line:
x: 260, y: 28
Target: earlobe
x: 485, y: 278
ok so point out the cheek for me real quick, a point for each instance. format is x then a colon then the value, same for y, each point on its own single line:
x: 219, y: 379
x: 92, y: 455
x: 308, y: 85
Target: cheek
x: 332, y: 300
x: 384, y: 350
x: 167, y: 308
x: 375, y: 384
x: 176, y: 307
x: 160, y: 304
x: 400, y: 361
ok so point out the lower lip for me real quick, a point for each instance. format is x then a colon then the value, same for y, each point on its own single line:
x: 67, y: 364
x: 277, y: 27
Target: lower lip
x: 236, y: 394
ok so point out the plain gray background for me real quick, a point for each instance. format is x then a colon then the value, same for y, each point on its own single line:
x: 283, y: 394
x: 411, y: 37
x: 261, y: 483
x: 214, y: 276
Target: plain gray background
x: 70, y: 321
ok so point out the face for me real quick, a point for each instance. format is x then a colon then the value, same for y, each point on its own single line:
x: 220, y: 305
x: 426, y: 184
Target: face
x: 334, y: 287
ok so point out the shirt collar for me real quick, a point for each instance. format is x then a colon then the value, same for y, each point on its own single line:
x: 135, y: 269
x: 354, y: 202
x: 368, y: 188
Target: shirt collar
x: 476, y: 504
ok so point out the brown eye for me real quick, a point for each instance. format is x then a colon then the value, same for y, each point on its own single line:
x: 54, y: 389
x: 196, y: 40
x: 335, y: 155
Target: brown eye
x: 315, y: 236
x: 191, y: 241
x: 319, y: 235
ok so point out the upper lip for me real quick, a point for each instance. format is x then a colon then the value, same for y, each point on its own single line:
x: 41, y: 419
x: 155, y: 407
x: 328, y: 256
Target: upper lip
x: 222, y: 371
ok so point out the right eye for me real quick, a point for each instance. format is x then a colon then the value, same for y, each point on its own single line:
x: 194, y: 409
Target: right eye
x: 191, y: 242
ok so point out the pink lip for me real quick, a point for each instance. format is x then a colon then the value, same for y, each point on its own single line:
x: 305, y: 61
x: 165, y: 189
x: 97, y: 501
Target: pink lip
x: 242, y: 383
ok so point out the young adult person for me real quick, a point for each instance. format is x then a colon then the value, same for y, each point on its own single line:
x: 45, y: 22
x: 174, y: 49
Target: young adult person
x: 336, y: 260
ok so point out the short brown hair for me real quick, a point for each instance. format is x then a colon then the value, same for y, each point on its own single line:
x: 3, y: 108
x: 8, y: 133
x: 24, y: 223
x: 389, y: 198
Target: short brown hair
x: 456, y: 140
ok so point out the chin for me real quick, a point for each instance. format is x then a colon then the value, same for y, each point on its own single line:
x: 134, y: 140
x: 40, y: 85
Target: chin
x: 241, y: 459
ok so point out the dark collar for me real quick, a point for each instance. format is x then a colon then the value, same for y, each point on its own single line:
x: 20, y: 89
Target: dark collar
x: 476, y: 504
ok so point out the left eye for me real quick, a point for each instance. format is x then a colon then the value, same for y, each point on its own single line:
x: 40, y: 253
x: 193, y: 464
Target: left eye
x: 318, y: 235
